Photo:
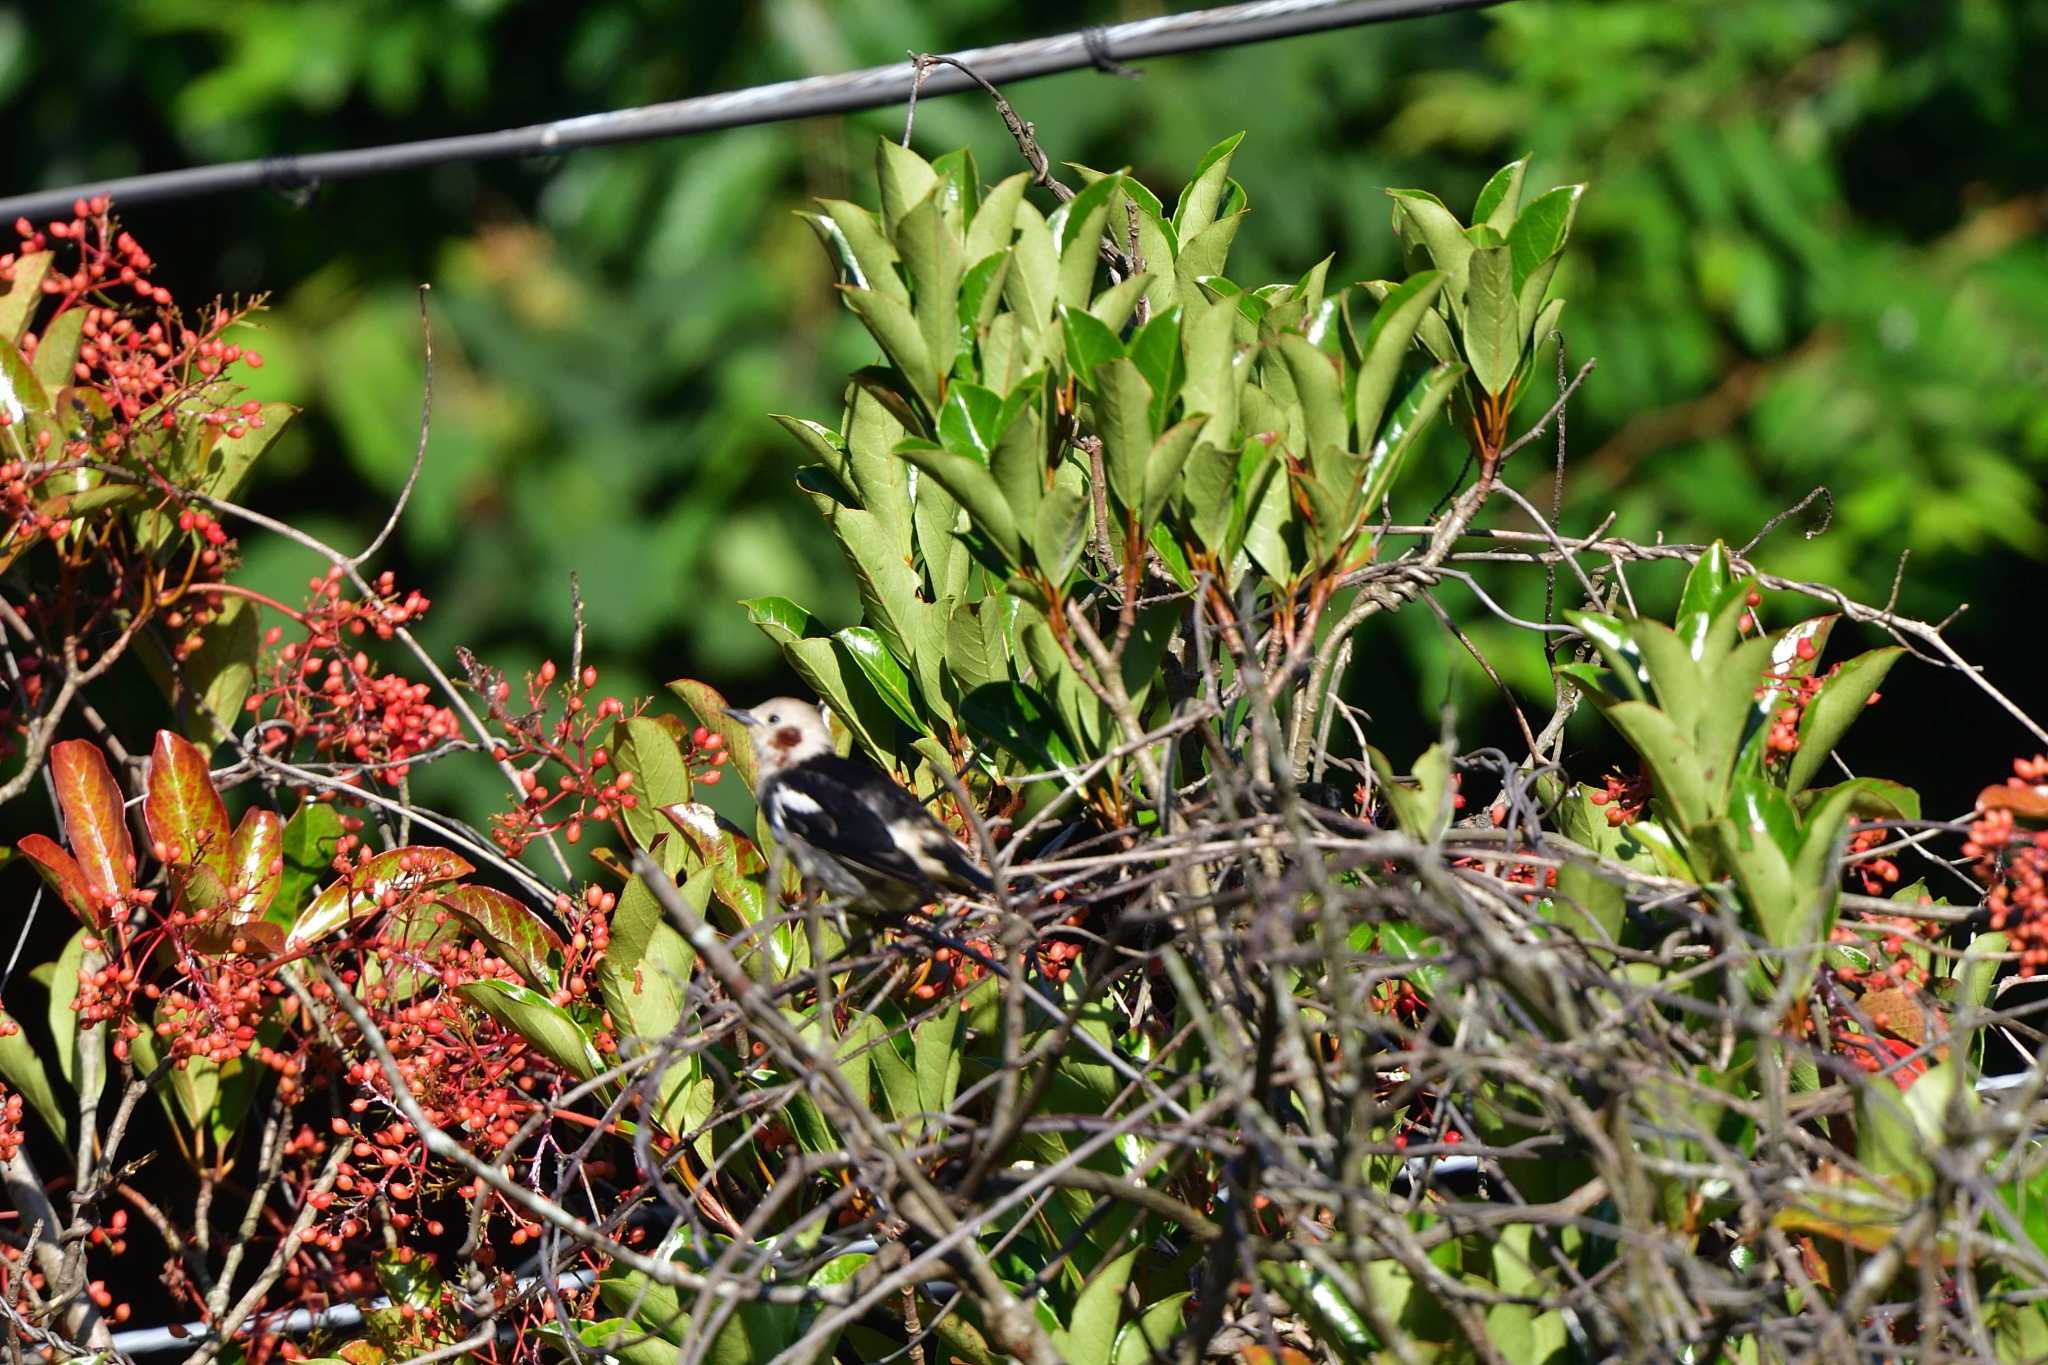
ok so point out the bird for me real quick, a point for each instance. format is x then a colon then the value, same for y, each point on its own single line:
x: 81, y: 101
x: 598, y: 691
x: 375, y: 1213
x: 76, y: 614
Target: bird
x: 850, y: 829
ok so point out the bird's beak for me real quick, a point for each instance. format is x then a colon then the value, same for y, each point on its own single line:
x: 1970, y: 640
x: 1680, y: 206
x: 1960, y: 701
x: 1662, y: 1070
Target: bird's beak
x: 743, y: 717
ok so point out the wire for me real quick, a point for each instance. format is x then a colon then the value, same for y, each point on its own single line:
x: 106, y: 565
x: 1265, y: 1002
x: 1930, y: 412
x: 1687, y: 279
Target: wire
x: 1103, y: 48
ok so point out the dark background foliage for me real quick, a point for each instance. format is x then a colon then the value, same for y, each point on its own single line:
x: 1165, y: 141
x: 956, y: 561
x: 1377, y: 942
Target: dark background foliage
x: 1813, y: 253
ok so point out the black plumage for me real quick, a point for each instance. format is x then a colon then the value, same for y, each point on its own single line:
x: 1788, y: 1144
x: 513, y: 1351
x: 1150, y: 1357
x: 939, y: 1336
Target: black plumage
x: 840, y: 818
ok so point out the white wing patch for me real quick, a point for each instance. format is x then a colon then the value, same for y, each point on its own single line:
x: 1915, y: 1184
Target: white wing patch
x: 788, y: 799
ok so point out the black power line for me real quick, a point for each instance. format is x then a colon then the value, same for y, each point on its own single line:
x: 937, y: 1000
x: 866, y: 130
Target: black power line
x: 873, y: 88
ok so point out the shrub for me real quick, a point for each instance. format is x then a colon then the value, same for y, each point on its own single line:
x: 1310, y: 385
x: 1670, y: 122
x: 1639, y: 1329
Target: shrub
x: 1267, y: 1045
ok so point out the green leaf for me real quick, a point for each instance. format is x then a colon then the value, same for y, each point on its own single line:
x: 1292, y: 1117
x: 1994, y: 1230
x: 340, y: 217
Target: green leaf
x: 1439, y: 231
x: 1319, y: 386
x: 1618, y: 647
x: 1062, y: 531
x: 1091, y: 1335
x: 95, y: 824
x: 1707, y: 583
x: 904, y: 177
x: 1669, y: 755
x: 1208, y: 342
x: 310, y: 837
x: 1032, y: 289
x: 936, y: 1046
x: 24, y: 1072
x: 1202, y: 256
x: 971, y: 421
x: 1897, y: 1134
x: 1163, y: 467
x: 1540, y: 231
x: 643, y: 747
x: 1077, y: 226
x: 1834, y: 709
x: 883, y: 670
x: 994, y: 224
x: 1403, y: 429
x: 1113, y: 306
x: 892, y: 324
x: 1500, y: 197
x: 397, y: 874
x: 854, y: 240
x: 521, y: 938
x: 64, y: 1030
x: 1018, y: 461
x: 1204, y: 194
x: 57, y: 350
x: 1424, y: 809
x: 1385, y: 346
x: 539, y: 1020
x: 1493, y: 329
x: 1123, y: 418
x: 1537, y: 241
x: 1151, y: 1334
x: 1019, y: 718
x: 219, y: 674
x: 974, y: 488
x: 933, y: 254
x: 20, y: 296
x: 880, y: 560
x: 1090, y: 343
x: 708, y: 704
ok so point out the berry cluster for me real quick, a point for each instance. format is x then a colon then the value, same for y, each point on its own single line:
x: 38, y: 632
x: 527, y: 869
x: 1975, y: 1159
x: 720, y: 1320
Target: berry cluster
x: 2013, y: 862
x: 134, y: 350
x: 325, y: 692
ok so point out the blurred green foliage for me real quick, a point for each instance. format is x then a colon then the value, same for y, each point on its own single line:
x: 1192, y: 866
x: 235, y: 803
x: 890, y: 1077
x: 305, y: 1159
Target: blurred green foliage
x: 1813, y: 253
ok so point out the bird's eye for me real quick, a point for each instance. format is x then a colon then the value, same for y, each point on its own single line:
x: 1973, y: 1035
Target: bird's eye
x: 774, y: 719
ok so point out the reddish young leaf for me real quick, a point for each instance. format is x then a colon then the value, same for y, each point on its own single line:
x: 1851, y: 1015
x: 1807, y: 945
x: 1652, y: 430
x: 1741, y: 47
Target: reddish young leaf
x: 514, y: 932
x: 64, y: 875
x: 382, y: 881
x: 198, y: 890
x: 181, y: 808
x: 93, y: 820
x: 256, y: 863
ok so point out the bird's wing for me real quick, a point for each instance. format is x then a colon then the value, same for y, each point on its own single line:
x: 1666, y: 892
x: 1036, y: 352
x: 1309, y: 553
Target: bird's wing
x: 854, y: 812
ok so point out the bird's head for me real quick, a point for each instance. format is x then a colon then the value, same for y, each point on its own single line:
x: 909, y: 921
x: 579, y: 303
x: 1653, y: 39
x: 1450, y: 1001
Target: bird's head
x: 785, y: 732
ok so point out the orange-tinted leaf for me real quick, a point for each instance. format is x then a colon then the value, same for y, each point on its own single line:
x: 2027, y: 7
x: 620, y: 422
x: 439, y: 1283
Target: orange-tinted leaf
x: 92, y: 816
x: 515, y: 933
x: 64, y: 875
x: 256, y: 863
x: 383, y: 881
x: 249, y: 938
x: 181, y: 808
x: 2025, y: 803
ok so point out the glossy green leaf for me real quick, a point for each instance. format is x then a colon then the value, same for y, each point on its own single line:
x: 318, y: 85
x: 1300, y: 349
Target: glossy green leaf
x: 643, y: 747
x: 1090, y: 1336
x: 1403, y: 429
x: 1383, y: 348
x: 310, y: 837
x: 1439, y: 231
x: 1834, y: 709
x: 539, y: 1020
x: 904, y: 178
x: 936, y: 259
x: 872, y: 657
x: 1019, y: 718
x: 1090, y: 343
x: 1319, y: 387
